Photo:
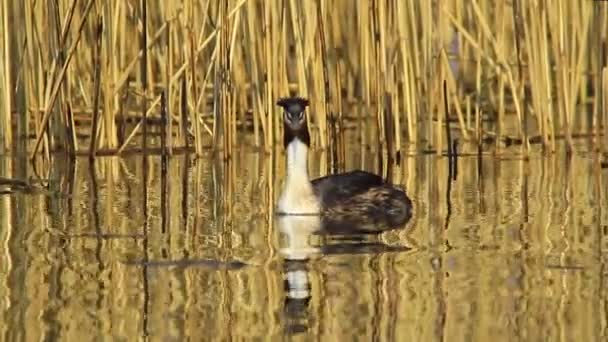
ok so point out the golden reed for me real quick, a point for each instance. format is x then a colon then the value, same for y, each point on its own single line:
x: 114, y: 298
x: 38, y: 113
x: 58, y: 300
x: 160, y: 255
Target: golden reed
x: 87, y: 76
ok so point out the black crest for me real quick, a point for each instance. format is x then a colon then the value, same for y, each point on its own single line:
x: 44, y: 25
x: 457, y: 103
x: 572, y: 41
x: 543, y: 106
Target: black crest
x: 294, y: 120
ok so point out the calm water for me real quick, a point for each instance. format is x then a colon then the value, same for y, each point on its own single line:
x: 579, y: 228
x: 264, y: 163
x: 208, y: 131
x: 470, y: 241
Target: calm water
x: 517, y: 253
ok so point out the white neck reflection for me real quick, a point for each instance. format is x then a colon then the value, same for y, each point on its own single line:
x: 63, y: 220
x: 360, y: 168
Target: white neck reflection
x: 296, y: 234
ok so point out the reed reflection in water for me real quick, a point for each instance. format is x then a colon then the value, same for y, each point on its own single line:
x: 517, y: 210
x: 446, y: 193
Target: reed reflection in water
x: 509, y: 250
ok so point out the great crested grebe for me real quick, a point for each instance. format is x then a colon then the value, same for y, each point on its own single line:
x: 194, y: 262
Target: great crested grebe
x: 353, y: 199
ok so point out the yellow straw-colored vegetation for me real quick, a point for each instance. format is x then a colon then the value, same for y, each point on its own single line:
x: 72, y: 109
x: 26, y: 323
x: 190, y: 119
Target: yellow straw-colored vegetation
x: 90, y: 77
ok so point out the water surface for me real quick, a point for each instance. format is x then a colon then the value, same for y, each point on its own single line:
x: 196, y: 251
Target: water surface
x: 508, y: 250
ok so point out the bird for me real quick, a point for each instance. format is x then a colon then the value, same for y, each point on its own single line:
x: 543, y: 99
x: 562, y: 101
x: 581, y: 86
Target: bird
x: 352, y: 202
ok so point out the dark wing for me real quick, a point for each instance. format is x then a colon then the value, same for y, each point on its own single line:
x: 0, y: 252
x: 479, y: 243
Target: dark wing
x: 380, y: 209
x: 336, y: 188
x: 361, y: 202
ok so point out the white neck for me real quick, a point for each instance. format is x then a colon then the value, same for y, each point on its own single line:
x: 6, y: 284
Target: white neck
x: 297, y: 161
x: 298, y: 196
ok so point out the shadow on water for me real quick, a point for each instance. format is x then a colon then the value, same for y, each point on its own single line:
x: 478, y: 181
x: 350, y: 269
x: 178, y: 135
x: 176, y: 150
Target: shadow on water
x: 186, y: 248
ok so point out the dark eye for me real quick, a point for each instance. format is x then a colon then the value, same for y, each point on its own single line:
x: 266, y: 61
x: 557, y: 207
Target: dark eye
x: 300, y: 115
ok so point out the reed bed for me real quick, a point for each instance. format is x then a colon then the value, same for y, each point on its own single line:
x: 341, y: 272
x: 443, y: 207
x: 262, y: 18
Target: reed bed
x: 88, y: 76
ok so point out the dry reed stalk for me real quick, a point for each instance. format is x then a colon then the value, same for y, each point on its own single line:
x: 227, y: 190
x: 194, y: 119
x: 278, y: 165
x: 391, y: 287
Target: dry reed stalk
x: 408, y: 58
x: 66, y: 130
x: 220, y: 112
x: 497, y: 42
x: 167, y: 122
x: 603, y: 68
x: 235, y: 22
x: 51, y: 34
x: 440, y: 83
x: 144, y: 78
x: 446, y: 115
x: 500, y: 64
x: 97, y: 82
x: 255, y: 92
x: 478, y: 129
x: 267, y: 121
x: 124, y: 76
x: 475, y: 43
x: 432, y: 80
x: 218, y: 117
x: 318, y: 106
x: 605, y: 103
x: 478, y: 118
x: 279, y: 84
x: 192, y: 59
x: 340, y: 120
x: 223, y: 68
x: 535, y: 70
x: 545, y: 110
x: 452, y: 89
x: 364, y: 23
x: 6, y: 83
x: 32, y: 86
x: 183, y: 110
x: 501, y: 112
x: 327, y: 98
x: 299, y: 47
x: 56, y: 86
x: 379, y: 70
x: 200, y: 101
x: 598, y: 105
x: 467, y: 105
x: 569, y: 35
x: 164, y: 116
x: 520, y: 90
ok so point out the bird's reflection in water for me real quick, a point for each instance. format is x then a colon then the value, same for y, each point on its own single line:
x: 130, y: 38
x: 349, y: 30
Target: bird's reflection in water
x: 305, y: 238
